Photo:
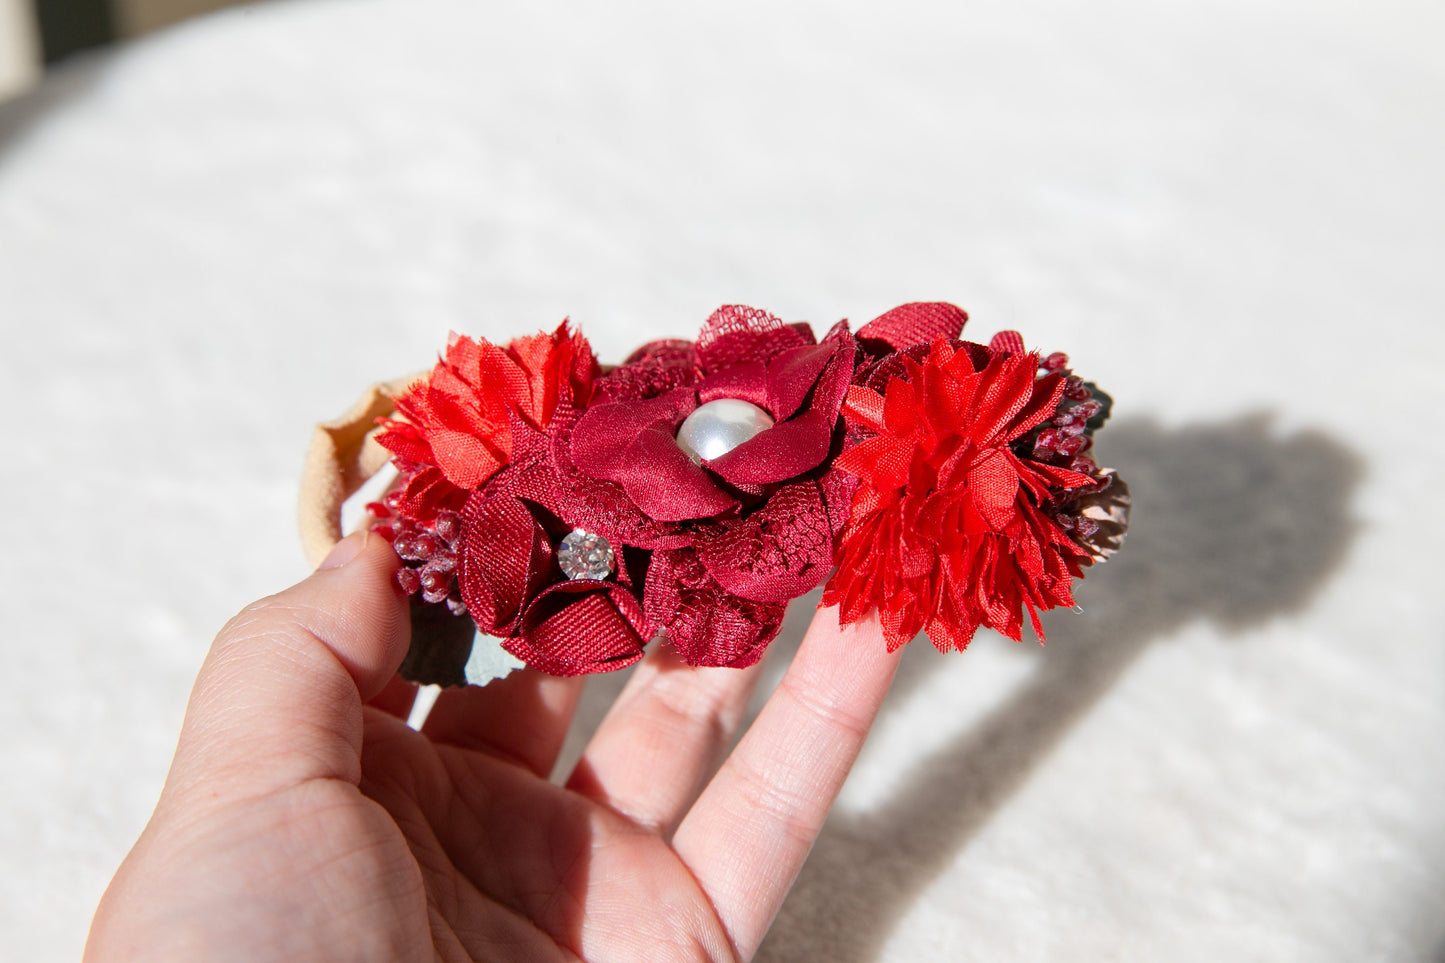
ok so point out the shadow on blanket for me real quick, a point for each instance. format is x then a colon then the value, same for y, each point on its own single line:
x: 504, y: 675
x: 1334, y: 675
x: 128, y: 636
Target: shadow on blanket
x: 1232, y: 523
x: 19, y: 115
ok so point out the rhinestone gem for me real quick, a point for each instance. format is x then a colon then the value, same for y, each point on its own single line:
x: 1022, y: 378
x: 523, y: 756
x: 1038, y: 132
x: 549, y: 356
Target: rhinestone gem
x: 718, y: 427
x: 585, y: 555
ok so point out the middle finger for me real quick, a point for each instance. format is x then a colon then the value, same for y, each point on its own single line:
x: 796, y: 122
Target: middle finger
x: 663, y: 738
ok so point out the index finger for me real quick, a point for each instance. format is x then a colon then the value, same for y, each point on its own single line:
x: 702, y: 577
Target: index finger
x: 747, y: 836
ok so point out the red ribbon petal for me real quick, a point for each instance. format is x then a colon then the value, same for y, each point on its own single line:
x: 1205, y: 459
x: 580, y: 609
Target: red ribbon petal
x: 506, y: 558
x: 920, y: 322
x: 576, y: 628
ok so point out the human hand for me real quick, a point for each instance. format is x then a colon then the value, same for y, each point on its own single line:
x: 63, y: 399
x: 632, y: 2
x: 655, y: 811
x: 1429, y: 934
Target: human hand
x: 302, y: 819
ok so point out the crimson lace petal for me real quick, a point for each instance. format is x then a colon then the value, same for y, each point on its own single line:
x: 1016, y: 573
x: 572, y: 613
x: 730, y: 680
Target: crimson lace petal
x: 737, y: 334
x: 781, y: 551
x: 708, y: 625
x: 652, y: 370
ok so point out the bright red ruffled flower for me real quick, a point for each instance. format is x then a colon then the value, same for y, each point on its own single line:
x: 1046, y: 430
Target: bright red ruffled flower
x: 456, y: 430
x: 952, y: 525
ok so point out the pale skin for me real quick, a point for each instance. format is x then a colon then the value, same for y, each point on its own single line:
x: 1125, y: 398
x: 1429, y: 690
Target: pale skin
x: 302, y: 819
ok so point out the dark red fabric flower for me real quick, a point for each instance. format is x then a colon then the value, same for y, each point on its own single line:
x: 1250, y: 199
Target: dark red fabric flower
x: 952, y: 526
x: 737, y: 536
x: 741, y: 353
x: 513, y: 589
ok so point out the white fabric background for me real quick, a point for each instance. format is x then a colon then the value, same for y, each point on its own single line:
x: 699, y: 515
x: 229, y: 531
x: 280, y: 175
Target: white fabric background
x: 1230, y: 214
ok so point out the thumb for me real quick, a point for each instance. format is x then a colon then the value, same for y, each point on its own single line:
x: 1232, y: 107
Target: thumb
x: 278, y: 699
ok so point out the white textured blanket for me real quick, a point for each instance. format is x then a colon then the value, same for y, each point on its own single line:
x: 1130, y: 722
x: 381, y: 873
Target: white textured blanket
x: 1229, y: 214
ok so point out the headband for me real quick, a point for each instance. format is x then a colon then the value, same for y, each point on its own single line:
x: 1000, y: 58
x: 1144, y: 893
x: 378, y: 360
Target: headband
x: 576, y: 512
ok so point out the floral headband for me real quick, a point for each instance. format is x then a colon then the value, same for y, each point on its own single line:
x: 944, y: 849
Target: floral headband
x: 576, y: 512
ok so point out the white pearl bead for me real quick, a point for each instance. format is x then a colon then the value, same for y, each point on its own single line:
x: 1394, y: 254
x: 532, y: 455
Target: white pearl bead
x: 718, y: 427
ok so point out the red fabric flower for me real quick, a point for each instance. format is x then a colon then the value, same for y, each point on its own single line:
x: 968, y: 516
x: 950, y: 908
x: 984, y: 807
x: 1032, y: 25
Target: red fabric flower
x: 511, y: 586
x: 741, y: 353
x: 735, y: 537
x: 950, y: 528
x: 474, y: 521
x: 456, y: 429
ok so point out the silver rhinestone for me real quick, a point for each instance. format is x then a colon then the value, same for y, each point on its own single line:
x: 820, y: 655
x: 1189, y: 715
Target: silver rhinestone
x: 585, y: 555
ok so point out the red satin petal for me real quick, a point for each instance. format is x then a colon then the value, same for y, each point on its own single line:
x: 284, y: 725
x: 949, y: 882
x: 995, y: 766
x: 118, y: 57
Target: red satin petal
x: 405, y: 441
x: 746, y: 382
x: 994, y: 485
x: 594, y: 504
x: 437, y: 409
x: 792, y: 375
x: 1010, y: 385
x: 603, y: 437
x: 784, y: 451
x: 464, y: 458
x: 1040, y: 408
x: 666, y: 484
x: 427, y: 492
x: 883, y: 460
x: 863, y: 406
x: 901, y: 411
x: 832, y: 386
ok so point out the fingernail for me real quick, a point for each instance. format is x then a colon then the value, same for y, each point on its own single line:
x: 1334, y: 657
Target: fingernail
x: 344, y: 551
